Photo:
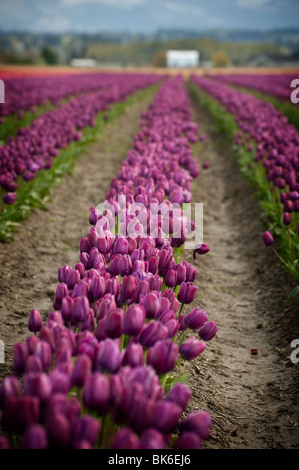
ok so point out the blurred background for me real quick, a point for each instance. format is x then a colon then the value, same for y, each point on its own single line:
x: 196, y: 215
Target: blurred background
x: 141, y: 33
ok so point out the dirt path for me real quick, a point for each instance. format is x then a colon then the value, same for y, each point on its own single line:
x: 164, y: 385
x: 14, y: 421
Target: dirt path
x: 253, y: 399
x: 48, y: 240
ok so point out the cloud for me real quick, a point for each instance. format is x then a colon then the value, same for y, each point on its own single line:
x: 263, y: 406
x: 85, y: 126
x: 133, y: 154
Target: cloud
x: 107, y: 3
x: 252, y: 4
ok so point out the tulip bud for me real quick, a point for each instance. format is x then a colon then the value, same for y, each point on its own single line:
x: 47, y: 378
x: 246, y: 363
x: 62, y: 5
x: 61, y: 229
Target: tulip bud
x: 196, y: 318
x: 125, y: 438
x: 10, y: 198
x: 163, y: 355
x: 38, y: 385
x: 170, y: 278
x: 201, y: 249
x: 186, y: 293
x: 59, y: 430
x: 133, y: 355
x: 152, y: 439
x: 188, y: 440
x: 286, y: 218
x: 153, y: 332
x: 166, y: 416
x: 133, y: 320
x: 20, y: 355
x: 268, y: 238
x: 191, y: 348
x: 208, y: 331
x: 198, y: 422
x: 179, y: 394
x: 10, y: 387
x: 19, y: 413
x: 44, y: 353
x: 87, y: 429
x: 80, y: 311
x: 109, y: 357
x: 72, y: 278
x: 35, y: 437
x: 96, y: 393
x: 97, y: 287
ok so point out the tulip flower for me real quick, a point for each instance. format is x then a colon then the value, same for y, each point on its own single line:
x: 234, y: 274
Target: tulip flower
x: 133, y: 320
x: 166, y: 415
x: 268, y: 238
x: 201, y: 249
x: 198, y: 422
x: 125, y: 438
x: 208, y: 331
x: 96, y: 393
x: 191, y: 348
x: 163, y: 355
x: 187, y: 292
x: 133, y: 355
x: 109, y: 357
x: 154, y: 331
x: 188, y: 440
x: 10, y: 198
x: 35, y: 437
x: 179, y: 394
x: 196, y: 318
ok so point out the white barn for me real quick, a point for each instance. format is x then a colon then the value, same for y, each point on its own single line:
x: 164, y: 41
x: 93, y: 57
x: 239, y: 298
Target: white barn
x: 182, y: 58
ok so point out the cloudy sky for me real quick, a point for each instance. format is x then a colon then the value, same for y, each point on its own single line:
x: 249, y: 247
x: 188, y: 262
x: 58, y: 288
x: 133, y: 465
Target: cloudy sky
x: 146, y: 15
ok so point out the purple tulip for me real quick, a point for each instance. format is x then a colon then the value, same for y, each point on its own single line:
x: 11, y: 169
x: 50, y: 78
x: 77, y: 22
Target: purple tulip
x: 201, y: 249
x: 163, y: 355
x: 286, y: 218
x: 125, y: 438
x: 127, y: 289
x: 87, y: 429
x: 166, y: 415
x: 96, y: 393
x: 59, y: 430
x: 10, y: 387
x: 188, y: 440
x: 133, y: 355
x: 191, y: 348
x: 109, y: 357
x: 35, y: 437
x: 35, y: 321
x: 19, y: 413
x: 38, y: 385
x: 10, y: 198
x: 4, y: 443
x: 72, y: 278
x: 196, y: 318
x: 198, y: 422
x: 268, y: 238
x: 20, y: 355
x: 112, y: 324
x: 187, y: 292
x: 80, y: 311
x: 133, y: 320
x: 170, y: 279
x: 208, y: 331
x: 154, y: 331
x: 152, y: 304
x: 152, y: 439
x: 44, y: 353
x: 179, y: 394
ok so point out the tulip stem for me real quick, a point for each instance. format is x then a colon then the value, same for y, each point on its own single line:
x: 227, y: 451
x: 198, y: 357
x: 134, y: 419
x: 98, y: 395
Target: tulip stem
x: 281, y: 259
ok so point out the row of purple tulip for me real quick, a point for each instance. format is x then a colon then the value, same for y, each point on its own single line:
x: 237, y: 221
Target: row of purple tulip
x: 276, y: 85
x: 100, y: 371
x: 35, y: 147
x: 27, y: 93
x: 276, y: 143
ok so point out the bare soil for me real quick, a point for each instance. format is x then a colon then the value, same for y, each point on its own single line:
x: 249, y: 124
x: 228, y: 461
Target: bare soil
x: 252, y: 399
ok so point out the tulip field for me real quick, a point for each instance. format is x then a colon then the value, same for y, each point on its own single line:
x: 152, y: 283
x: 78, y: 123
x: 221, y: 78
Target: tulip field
x: 116, y: 336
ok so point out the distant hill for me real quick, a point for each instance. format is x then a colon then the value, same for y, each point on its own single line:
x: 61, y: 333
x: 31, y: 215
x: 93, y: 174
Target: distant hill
x: 124, y: 48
